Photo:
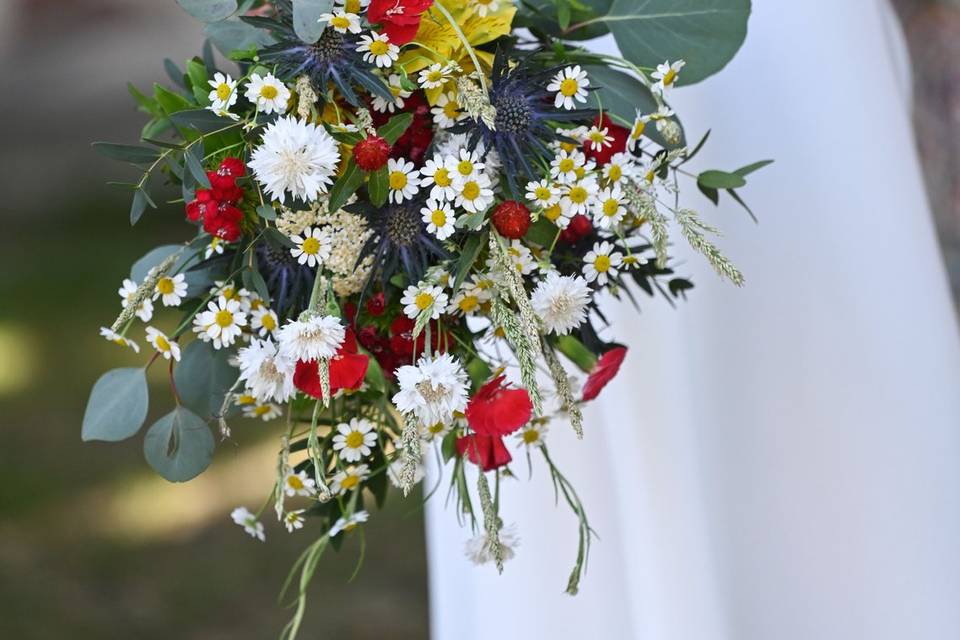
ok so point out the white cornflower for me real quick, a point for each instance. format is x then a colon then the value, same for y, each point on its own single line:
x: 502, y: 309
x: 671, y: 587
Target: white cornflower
x: 404, y: 180
x: 249, y: 522
x: 313, y: 247
x: 619, y: 166
x: 480, y: 550
x: 434, y: 76
x: 269, y: 375
x: 437, y: 173
x: 299, y: 484
x: 295, y: 156
x: 128, y: 291
x: 116, y: 338
x: 348, y: 479
x: 341, y: 21
x: 474, y: 193
x: 467, y: 164
x: 439, y: 218
x: 597, y: 139
x: 354, y: 439
x: 542, y: 193
x: 561, y: 302
x: 579, y: 196
x: 532, y: 434
x: 268, y: 93
x: 570, y: 84
x: 397, y: 91
x: 224, y: 94
x: 222, y: 322
x: 566, y: 166
x: 446, y: 112
x: 377, y: 49
x: 171, y: 290
x: 433, y: 389
x: 486, y: 7
x: 666, y: 75
x: 311, y: 339
x: 293, y: 520
x: 601, y: 263
x: 264, y: 321
x: 608, y: 209
x: 166, y: 347
x: 417, y: 298
x: 349, y: 523
x: 265, y: 412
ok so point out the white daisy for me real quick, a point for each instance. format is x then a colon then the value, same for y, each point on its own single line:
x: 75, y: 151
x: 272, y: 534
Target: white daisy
x: 116, y: 338
x: 397, y: 91
x: 579, y: 196
x: 313, y: 246
x: 265, y: 412
x: 171, y: 290
x: 597, y: 139
x: 435, y: 431
x: 404, y: 180
x: 222, y: 322
x: 269, y: 375
x: 163, y: 344
x: 566, y: 166
x: 434, y: 76
x: 214, y: 248
x: 532, y: 434
x: 469, y: 301
x: 349, y: 523
x: 264, y: 321
x: 446, y: 112
x: 353, y: 6
x: 608, y: 209
x: 639, y: 126
x: 349, y: 478
x: 480, y: 550
x: 561, y: 302
x: 555, y: 214
x: 570, y: 84
x: 249, y: 522
x: 341, y: 21
x: 433, y: 389
x: 666, y: 75
x: 293, y: 520
x: 486, y: 7
x: 468, y: 164
x: 601, y: 263
x: 295, y: 156
x: 619, y: 166
x: 437, y: 173
x: 439, y: 218
x: 128, y: 292
x: 224, y: 94
x: 268, y: 93
x: 420, y: 297
x: 474, y: 192
x: 354, y: 439
x: 311, y: 339
x: 377, y: 49
x: 521, y: 257
x: 299, y: 484
x: 542, y: 194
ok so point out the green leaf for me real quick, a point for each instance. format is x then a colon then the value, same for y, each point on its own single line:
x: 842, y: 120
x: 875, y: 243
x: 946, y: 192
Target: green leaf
x: 209, y: 10
x: 141, y: 200
x: 253, y: 281
x: 378, y: 186
x: 468, y: 255
x: 345, y: 185
x: 394, y: 127
x: 736, y: 196
x: 472, y: 221
x: 720, y: 180
x: 203, y: 377
x: 199, y: 80
x: 170, y: 102
x: 622, y: 94
x: 117, y: 406
x: 193, y: 159
x: 134, y: 154
x: 448, y: 448
x: 233, y: 35
x: 542, y: 15
x: 203, y: 120
x: 542, y: 232
x: 750, y: 168
x: 267, y: 212
x: 577, y: 353
x: 306, y: 16
x: 704, y: 33
x: 174, y: 72
x: 152, y: 258
x: 712, y: 194
x: 479, y: 372
x: 696, y: 149
x: 179, y: 446
x: 374, y: 376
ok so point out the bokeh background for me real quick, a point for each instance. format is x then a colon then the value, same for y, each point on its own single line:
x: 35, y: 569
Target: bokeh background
x: 92, y: 543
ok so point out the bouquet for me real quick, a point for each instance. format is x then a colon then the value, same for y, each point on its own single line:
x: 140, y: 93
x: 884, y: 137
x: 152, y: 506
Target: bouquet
x: 402, y: 216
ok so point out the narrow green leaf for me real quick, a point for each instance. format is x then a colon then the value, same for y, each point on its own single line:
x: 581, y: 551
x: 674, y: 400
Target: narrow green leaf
x: 193, y: 158
x: 394, y: 127
x: 712, y: 194
x: 468, y: 255
x: 117, y: 406
x: 203, y: 120
x: 174, y: 73
x: 134, y: 154
x: 736, y: 196
x: 720, y: 179
x: 750, y: 168
x: 170, y: 102
x: 697, y: 148
x: 141, y: 200
x: 267, y: 212
x: 345, y: 185
x: 199, y: 80
x: 577, y: 353
x: 179, y: 446
x: 254, y: 281
x: 378, y: 186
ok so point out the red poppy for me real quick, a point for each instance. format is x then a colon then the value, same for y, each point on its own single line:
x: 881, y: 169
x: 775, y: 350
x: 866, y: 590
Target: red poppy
x: 400, y: 18
x: 603, y: 372
x: 488, y: 452
x: 402, y: 343
x: 619, y: 143
x: 496, y: 410
x: 347, y: 370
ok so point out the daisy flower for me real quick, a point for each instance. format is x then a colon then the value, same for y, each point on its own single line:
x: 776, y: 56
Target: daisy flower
x: 264, y: 321
x: 434, y: 76
x: 249, y: 522
x: 555, y: 214
x: 435, y: 431
x: 222, y: 322
x: 116, y: 338
x: 532, y: 434
x: 439, y: 218
x: 349, y: 478
x: 265, y: 412
x: 399, y: 93
x: 214, y: 248
x: 128, y: 292
x: 608, y: 209
x: 299, y: 484
x: 377, y: 49
x: 639, y: 126
x: 601, y: 263
x: 269, y: 375
x: 561, y: 302
x: 313, y: 247
x: 171, y: 290
x: 446, y: 112
x: 597, y: 139
x: 620, y: 165
x: 570, y: 84
x: 467, y: 164
x: 341, y: 21
x: 433, y: 389
x: 578, y: 197
x: 297, y: 157
x: 480, y: 550
x: 311, y: 339
x: 564, y: 167
x: 469, y: 301
x: 437, y: 173
x: 486, y: 7
x: 162, y: 344
x: 422, y: 296
x: 268, y: 93
x: 542, y: 193
x: 354, y: 439
x: 666, y: 75
x: 353, y: 6
x: 404, y: 180
x: 521, y: 257
x: 293, y: 520
x: 349, y: 523
x: 474, y: 192
x: 224, y: 94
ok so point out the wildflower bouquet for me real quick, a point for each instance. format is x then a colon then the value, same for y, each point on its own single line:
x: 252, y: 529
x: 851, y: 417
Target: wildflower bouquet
x: 403, y: 215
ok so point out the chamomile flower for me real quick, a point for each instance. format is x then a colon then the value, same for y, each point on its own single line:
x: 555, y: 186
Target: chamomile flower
x: 341, y: 21
x: 561, y: 302
x: 312, y: 248
x: 264, y: 321
x: 565, y: 166
x: 479, y: 549
x: 571, y: 85
x: 382, y: 105
x: 439, y: 218
x: 597, y: 139
x: 214, y: 248
x: 403, y: 180
x: 293, y: 520
x: 521, y: 257
x: 619, y: 166
x: 222, y: 322
x: 446, y: 112
x: 486, y: 7
x: 666, y: 75
x: 224, y: 94
x: 353, y: 6
x: 249, y: 522
x: 299, y: 484
x: 437, y: 173
x: 555, y: 214
x: 435, y: 431
x: 639, y: 126
x: 434, y: 76
x: 116, y: 338
x: 578, y: 197
x: 469, y: 301
x: 532, y: 435
x: 377, y: 49
x: 433, y: 389
x: 128, y: 292
x: 349, y: 523
x: 608, y: 209
x: 164, y: 346
x: 311, y: 339
x: 542, y: 194
x: 295, y: 156
x: 355, y: 439
x: 349, y: 479
x: 265, y: 412
x: 268, y: 374
x: 474, y: 192
x: 268, y: 93
x: 420, y: 297
x: 601, y: 263
x: 467, y: 164
x: 171, y: 290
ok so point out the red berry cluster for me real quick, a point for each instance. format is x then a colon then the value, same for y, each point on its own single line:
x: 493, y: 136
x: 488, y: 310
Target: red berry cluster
x: 511, y: 219
x: 216, y: 207
x: 579, y: 228
x: 371, y: 153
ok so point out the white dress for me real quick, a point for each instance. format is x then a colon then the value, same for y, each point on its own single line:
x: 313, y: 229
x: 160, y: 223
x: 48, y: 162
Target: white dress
x: 777, y: 462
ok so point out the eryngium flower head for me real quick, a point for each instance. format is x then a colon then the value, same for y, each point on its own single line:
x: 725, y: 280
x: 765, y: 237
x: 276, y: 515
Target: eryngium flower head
x: 295, y: 156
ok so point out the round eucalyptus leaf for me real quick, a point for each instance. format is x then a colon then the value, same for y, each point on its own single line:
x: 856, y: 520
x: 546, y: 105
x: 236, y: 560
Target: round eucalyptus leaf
x: 209, y: 10
x: 179, y: 445
x: 203, y: 377
x: 117, y: 406
x: 623, y: 94
x: 714, y: 179
x: 306, y: 18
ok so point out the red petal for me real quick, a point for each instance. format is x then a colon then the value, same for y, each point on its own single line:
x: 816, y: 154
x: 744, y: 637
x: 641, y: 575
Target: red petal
x: 488, y: 452
x: 306, y: 377
x: 401, y: 34
x: 347, y: 371
x: 497, y: 411
x: 605, y: 370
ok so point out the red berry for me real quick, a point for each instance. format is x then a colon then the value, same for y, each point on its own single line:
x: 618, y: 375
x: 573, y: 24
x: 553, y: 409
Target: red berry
x: 580, y: 227
x: 371, y: 153
x: 512, y: 219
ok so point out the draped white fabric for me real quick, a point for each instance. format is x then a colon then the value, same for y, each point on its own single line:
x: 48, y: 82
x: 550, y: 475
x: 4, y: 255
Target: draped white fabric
x: 781, y: 461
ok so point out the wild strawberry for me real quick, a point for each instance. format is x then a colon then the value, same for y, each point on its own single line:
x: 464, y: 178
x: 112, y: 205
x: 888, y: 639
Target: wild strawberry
x: 371, y: 153
x: 512, y: 219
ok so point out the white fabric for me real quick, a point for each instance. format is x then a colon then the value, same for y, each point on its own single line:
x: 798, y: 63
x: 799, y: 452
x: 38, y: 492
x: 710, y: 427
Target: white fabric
x: 781, y: 461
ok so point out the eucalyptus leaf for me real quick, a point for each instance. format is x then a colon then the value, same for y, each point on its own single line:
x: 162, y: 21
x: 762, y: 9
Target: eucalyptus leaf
x: 750, y: 168
x: 203, y: 120
x: 179, y: 446
x: 153, y: 258
x: 209, y: 10
x: 233, y: 35
x: 134, y: 154
x: 141, y: 200
x: 306, y: 18
x: 468, y: 255
x: 117, y: 406
x: 715, y: 179
x: 193, y: 159
x: 345, y: 186
x: 378, y: 186
x: 203, y: 377
x: 267, y: 212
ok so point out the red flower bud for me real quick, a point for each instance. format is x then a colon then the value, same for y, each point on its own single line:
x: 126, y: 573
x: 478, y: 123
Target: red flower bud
x: 376, y: 304
x: 511, y: 219
x: 371, y: 153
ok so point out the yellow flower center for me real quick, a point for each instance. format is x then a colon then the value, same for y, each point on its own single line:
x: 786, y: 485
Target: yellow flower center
x: 262, y: 410
x: 268, y: 92
x: 669, y: 77
x: 349, y: 482
x: 378, y: 47
x: 434, y: 75
x: 638, y: 128
x: 354, y: 439
x: 224, y: 318
x: 268, y: 322
x: 468, y: 303
x: 423, y: 300
x: 610, y: 207
x: 340, y: 22
x: 310, y: 246
x: 451, y: 109
x: 471, y: 190
x: 246, y: 399
x: 398, y: 180
x: 294, y: 482
x: 602, y: 264
x: 615, y: 173
x: 162, y: 343
x: 578, y: 195
x: 395, y: 90
x: 223, y: 91
x: 569, y: 86
x: 465, y: 167
x: 442, y: 177
x: 165, y: 286
x: 229, y: 293
x: 530, y: 436
x: 580, y: 172
x: 542, y: 193
x: 568, y: 146
x: 552, y: 212
x: 566, y: 165
x: 438, y: 217
x: 352, y: 6
x: 436, y: 428
x: 597, y: 138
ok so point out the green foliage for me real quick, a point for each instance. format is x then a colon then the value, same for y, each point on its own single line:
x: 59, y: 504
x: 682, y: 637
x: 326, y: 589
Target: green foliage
x: 230, y: 36
x: 710, y: 182
x: 577, y: 353
x: 714, y: 179
x: 209, y: 10
x: 346, y: 185
x: 117, y: 406
x: 378, y: 186
x: 306, y: 16
x: 394, y: 127
x: 179, y: 446
x: 621, y: 94
x: 203, y: 377
x: 134, y: 154
x: 468, y: 255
